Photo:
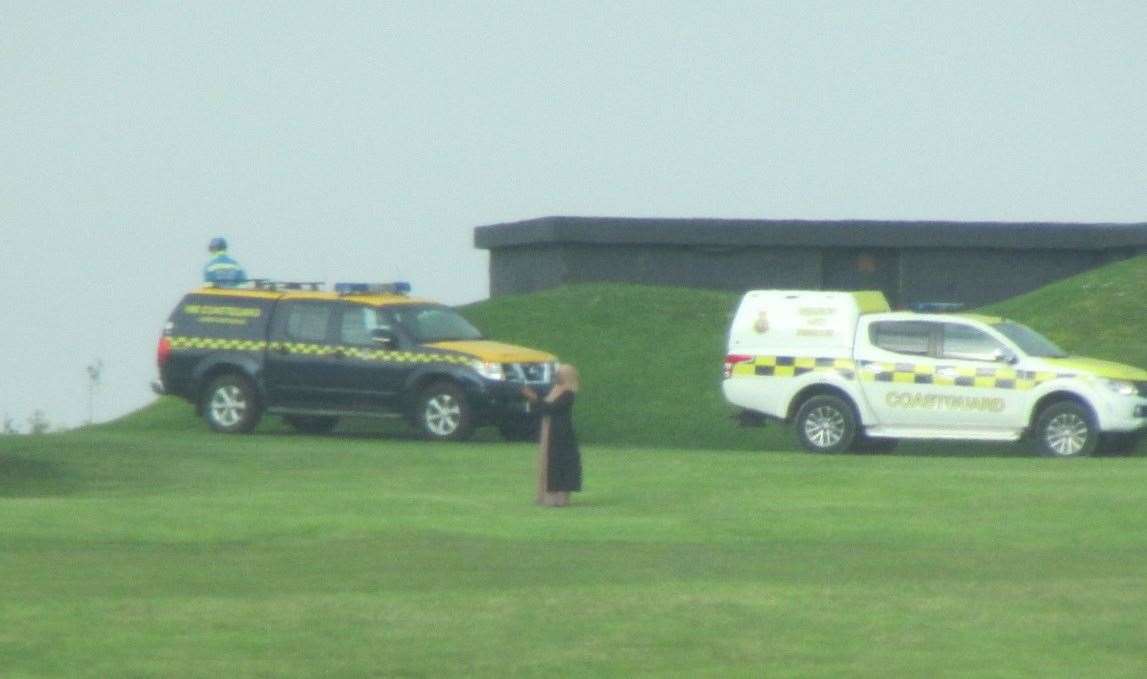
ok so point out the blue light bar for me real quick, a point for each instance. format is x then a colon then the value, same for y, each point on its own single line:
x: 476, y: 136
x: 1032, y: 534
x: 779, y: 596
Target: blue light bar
x: 936, y: 307
x: 396, y: 288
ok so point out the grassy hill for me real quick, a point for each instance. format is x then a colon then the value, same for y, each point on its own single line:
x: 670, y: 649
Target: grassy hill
x: 650, y: 357
x: 1100, y: 313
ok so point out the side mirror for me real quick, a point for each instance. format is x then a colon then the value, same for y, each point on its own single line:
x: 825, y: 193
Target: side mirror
x: 1005, y: 356
x: 383, y: 337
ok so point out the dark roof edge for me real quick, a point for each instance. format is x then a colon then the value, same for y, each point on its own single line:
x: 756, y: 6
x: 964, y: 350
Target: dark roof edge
x: 814, y: 233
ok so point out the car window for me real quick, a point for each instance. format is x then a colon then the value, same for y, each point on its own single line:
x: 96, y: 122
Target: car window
x: 307, y: 322
x: 902, y: 337
x: 436, y: 324
x: 1031, y: 342
x: 969, y: 343
x: 357, y: 324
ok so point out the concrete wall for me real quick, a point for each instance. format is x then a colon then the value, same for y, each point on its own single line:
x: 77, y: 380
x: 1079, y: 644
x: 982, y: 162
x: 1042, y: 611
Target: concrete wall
x: 973, y: 276
x: 976, y: 277
x: 526, y: 268
x: 719, y: 268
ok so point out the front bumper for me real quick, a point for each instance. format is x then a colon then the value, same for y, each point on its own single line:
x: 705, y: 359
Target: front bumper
x: 1124, y: 415
x: 498, y: 401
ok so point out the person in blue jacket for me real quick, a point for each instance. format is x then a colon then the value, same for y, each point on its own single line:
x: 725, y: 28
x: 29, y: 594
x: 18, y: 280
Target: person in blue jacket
x: 221, y: 270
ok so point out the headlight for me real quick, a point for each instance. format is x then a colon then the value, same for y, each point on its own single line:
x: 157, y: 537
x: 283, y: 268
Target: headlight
x: 491, y: 371
x: 1120, y: 387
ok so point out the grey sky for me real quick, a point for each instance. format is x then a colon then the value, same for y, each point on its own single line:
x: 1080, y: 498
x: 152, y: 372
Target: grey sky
x: 365, y: 140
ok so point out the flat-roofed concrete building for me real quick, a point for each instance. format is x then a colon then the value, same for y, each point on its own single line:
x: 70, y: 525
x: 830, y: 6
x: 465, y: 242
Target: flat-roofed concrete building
x: 972, y: 263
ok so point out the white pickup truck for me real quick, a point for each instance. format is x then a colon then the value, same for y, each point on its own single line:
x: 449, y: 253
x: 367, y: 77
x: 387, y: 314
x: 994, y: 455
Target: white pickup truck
x: 853, y: 375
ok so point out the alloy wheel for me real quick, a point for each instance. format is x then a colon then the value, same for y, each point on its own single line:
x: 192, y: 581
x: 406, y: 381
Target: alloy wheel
x: 443, y: 414
x: 1066, y: 434
x: 228, y: 405
x: 824, y: 427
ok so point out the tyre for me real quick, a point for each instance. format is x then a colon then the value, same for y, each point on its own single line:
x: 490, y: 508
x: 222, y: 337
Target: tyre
x: 312, y: 424
x: 524, y: 430
x: 826, y: 424
x: 1065, y: 429
x: 876, y: 446
x: 443, y: 414
x: 230, y: 405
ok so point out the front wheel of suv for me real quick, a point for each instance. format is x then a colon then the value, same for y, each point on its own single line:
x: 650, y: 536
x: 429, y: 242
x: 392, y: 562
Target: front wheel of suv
x: 1065, y: 429
x: 231, y: 406
x: 443, y: 414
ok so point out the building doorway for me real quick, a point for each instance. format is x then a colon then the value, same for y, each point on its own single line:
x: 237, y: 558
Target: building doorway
x: 862, y: 269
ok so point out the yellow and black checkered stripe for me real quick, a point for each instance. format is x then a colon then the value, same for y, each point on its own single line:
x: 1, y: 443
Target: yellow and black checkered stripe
x: 984, y: 377
x: 216, y: 344
x: 792, y: 366
x: 364, y: 354
x: 313, y: 349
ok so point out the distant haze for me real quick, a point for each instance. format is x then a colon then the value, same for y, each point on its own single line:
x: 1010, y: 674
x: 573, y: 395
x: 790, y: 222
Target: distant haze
x: 363, y: 141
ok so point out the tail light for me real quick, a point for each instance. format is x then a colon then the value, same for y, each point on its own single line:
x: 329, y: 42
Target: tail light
x: 732, y: 360
x: 163, y: 351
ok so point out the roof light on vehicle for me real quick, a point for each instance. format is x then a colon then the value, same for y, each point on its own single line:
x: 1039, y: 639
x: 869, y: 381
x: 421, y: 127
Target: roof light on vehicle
x: 396, y: 288
x: 935, y: 307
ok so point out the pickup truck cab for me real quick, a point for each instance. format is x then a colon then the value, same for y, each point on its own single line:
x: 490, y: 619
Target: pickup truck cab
x: 851, y: 374
x: 367, y: 350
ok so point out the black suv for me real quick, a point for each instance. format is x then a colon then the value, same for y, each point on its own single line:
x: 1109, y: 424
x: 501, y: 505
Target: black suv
x: 313, y: 356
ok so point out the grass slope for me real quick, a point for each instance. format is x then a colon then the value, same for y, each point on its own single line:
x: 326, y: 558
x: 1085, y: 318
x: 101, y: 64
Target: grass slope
x: 1100, y: 313
x: 650, y: 358
x: 128, y: 553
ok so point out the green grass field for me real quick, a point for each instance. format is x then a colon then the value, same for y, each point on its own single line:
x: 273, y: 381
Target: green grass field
x: 129, y: 553
x: 150, y: 547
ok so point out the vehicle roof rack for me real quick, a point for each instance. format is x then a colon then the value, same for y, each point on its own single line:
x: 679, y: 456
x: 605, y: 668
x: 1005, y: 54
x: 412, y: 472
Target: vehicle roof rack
x: 395, y: 288
x: 267, y: 284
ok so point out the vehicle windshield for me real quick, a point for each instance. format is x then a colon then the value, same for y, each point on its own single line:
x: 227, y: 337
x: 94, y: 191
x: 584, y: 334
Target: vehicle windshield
x: 435, y: 324
x: 1031, y: 342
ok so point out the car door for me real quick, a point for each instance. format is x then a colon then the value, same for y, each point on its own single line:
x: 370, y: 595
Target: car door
x: 369, y: 375
x: 977, y: 378
x: 943, y: 378
x: 300, y: 356
x: 895, y: 360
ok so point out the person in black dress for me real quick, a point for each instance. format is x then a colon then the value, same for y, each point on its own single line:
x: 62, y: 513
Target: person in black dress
x: 559, y: 460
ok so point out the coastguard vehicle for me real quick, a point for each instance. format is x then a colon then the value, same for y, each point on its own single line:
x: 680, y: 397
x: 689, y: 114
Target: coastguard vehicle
x: 314, y: 356
x: 852, y: 375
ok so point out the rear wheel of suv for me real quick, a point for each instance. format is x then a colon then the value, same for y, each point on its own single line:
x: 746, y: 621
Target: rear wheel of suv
x: 230, y: 405
x: 443, y: 414
x: 825, y: 424
x: 312, y: 424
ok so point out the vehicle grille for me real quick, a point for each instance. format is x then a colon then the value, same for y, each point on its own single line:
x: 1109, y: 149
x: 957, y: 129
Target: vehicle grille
x: 529, y: 373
